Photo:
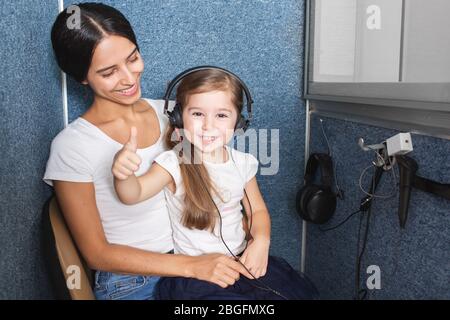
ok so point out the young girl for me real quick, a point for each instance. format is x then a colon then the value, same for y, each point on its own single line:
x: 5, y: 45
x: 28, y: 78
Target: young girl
x: 204, y: 183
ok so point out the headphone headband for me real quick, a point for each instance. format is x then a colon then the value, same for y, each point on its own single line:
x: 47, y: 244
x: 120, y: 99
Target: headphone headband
x: 325, y: 163
x: 187, y: 72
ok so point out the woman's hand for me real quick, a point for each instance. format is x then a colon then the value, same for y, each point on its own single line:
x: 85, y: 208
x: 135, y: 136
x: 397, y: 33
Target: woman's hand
x: 216, y: 268
x: 256, y: 256
x: 126, y: 161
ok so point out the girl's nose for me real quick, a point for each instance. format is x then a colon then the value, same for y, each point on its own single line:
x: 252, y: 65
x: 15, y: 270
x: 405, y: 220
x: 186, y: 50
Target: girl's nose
x: 207, y: 122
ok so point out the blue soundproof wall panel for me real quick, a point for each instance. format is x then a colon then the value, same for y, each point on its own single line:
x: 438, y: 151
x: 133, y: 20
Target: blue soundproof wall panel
x: 414, y: 262
x: 30, y: 116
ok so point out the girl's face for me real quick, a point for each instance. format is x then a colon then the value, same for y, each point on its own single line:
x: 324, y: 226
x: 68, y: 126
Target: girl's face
x: 209, y: 119
x: 115, y: 70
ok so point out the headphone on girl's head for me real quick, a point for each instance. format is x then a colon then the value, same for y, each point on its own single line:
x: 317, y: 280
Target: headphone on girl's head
x: 317, y: 203
x: 176, y: 115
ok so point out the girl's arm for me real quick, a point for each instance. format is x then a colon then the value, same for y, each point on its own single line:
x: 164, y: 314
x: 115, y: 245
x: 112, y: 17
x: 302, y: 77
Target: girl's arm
x: 256, y: 255
x: 136, y: 189
x: 257, y: 214
x: 129, y: 188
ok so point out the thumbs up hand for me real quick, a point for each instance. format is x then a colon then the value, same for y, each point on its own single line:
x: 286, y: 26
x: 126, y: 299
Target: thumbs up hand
x: 126, y: 161
x: 132, y: 142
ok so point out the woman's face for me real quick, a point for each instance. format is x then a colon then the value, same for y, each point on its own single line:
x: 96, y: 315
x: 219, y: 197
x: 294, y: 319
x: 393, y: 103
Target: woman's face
x: 115, y: 70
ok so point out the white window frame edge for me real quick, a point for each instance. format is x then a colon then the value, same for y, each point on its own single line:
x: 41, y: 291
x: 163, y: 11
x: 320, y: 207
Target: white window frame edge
x: 406, y: 113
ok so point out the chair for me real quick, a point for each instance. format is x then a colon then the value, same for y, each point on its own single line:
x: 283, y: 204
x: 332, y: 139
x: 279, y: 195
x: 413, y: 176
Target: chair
x: 63, y: 260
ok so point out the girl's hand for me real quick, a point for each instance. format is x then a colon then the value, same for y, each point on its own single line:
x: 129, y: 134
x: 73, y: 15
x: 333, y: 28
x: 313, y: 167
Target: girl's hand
x: 126, y: 161
x: 256, y: 256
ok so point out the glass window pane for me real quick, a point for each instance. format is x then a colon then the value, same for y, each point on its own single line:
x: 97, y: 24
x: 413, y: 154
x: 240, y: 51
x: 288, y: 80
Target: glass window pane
x: 357, y: 40
x: 427, y: 43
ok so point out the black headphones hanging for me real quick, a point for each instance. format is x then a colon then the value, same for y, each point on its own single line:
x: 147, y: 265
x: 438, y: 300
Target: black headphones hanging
x: 176, y: 116
x: 317, y: 203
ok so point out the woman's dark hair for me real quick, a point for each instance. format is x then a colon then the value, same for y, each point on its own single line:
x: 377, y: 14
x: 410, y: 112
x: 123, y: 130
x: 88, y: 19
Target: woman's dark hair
x: 75, y: 45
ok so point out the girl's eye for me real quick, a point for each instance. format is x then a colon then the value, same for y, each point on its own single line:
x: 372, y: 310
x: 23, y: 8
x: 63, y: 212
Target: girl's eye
x: 222, y: 115
x: 197, y: 114
x: 134, y: 59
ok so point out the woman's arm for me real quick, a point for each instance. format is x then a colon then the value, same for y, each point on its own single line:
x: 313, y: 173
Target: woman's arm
x: 77, y: 202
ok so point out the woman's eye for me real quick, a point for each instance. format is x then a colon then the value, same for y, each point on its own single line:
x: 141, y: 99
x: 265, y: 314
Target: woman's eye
x: 134, y: 59
x: 197, y: 114
x: 107, y: 75
x: 222, y: 115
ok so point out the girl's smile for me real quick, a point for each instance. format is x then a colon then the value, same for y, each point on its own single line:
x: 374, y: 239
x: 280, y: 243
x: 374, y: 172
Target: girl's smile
x: 209, y: 119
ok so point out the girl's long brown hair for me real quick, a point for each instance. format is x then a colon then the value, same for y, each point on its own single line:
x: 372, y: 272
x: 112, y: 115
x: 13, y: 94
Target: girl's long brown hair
x: 199, y: 209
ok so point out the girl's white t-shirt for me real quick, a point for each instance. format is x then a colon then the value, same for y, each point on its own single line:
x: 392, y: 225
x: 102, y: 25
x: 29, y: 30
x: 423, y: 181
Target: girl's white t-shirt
x: 84, y: 153
x: 229, y: 179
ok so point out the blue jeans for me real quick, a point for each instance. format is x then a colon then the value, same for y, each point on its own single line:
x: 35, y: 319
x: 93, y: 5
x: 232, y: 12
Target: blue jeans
x: 281, y: 282
x: 114, y: 286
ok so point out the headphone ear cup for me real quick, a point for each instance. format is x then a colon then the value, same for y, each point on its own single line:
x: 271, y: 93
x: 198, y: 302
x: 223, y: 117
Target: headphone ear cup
x: 303, y: 197
x: 176, y: 116
x: 321, y: 206
x: 241, y: 123
x: 298, y: 201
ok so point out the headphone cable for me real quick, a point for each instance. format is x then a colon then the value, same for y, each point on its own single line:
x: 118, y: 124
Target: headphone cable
x: 340, y: 223
x: 359, y: 254
x: 249, y: 231
x: 339, y: 191
x: 265, y: 287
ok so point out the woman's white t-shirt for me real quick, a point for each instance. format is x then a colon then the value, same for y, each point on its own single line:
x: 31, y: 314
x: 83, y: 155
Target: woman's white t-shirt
x: 84, y: 153
x: 229, y: 179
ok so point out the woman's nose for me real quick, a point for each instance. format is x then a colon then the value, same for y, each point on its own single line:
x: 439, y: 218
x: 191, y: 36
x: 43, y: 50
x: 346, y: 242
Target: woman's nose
x: 127, y: 76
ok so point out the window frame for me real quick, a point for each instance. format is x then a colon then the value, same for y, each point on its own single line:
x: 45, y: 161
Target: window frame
x: 416, y: 100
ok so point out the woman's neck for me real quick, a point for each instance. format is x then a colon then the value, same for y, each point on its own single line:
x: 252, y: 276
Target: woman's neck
x: 103, y: 110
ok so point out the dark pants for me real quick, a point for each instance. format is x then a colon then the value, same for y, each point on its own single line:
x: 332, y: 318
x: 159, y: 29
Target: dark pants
x: 280, y: 282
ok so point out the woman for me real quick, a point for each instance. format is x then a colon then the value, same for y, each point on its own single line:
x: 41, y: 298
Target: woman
x: 127, y: 244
